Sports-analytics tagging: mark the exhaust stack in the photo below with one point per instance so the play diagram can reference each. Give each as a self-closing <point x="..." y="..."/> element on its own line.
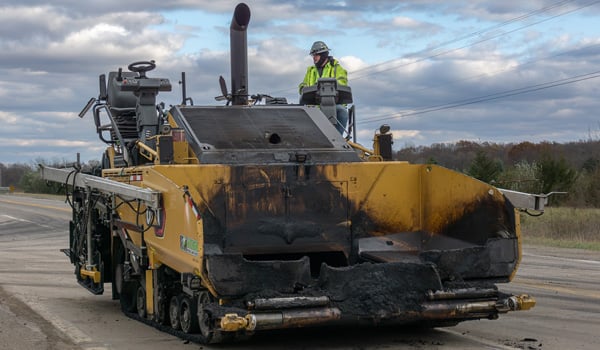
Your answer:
<point x="239" y="54"/>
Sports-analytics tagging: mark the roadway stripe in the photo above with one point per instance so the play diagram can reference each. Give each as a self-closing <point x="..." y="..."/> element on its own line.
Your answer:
<point x="16" y="219"/>
<point x="594" y="262"/>
<point x="488" y="343"/>
<point x="558" y="289"/>
<point x="76" y="335"/>
<point x="68" y="210"/>
<point x="23" y="220"/>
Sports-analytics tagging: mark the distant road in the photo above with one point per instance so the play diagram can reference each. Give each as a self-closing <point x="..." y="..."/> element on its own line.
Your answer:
<point x="42" y="306"/>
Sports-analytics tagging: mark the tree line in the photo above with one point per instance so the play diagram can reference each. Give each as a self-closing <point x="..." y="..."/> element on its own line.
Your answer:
<point x="527" y="167"/>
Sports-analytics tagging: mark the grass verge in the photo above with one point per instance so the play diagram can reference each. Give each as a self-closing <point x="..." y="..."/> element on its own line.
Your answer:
<point x="563" y="227"/>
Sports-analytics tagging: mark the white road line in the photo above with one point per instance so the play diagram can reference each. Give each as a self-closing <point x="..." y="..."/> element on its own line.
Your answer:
<point x="487" y="343"/>
<point x="23" y="220"/>
<point x="563" y="259"/>
<point x="76" y="335"/>
<point x="14" y="218"/>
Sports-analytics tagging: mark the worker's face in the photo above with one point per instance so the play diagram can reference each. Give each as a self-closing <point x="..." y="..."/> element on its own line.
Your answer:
<point x="316" y="58"/>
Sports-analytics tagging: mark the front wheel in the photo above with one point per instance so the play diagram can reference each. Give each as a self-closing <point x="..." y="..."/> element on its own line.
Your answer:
<point x="205" y="319"/>
<point x="140" y="301"/>
<point x="126" y="290"/>
<point x="174" y="313"/>
<point x="188" y="315"/>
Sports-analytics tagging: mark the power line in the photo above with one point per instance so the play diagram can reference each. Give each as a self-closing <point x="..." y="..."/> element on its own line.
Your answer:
<point x="486" y="98"/>
<point x="467" y="45"/>
<point x="464" y="37"/>
<point x="499" y="95"/>
<point x="476" y="33"/>
<point x="557" y="54"/>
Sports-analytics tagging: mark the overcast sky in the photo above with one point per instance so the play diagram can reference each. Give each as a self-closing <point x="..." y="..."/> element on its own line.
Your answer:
<point x="437" y="71"/>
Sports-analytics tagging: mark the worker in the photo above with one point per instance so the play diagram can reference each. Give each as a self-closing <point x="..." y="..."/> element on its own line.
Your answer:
<point x="326" y="66"/>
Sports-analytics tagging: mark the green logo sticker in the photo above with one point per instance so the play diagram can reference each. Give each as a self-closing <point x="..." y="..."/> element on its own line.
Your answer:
<point x="188" y="245"/>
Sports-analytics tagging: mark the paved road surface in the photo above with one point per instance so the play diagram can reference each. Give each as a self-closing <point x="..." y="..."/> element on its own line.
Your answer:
<point x="42" y="307"/>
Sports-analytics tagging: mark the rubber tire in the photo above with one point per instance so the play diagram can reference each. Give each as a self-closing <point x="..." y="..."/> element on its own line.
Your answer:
<point x="140" y="301"/>
<point x="205" y="322"/>
<point x="174" y="313"/>
<point x="188" y="315"/>
<point x="162" y="313"/>
<point x="125" y="290"/>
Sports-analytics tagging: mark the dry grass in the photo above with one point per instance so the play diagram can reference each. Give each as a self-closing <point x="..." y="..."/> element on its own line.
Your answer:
<point x="564" y="227"/>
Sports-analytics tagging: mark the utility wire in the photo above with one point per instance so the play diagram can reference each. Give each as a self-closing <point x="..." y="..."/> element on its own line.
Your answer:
<point x="468" y="45"/>
<point x="485" y="98"/>
<point x="476" y="33"/>
<point x="516" y="66"/>
<point x="467" y="36"/>
<point x="499" y="95"/>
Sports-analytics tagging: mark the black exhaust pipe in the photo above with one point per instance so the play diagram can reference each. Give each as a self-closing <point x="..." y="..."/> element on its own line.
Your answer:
<point x="239" y="54"/>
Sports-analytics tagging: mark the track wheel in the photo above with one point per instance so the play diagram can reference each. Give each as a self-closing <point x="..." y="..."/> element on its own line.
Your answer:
<point x="174" y="313"/>
<point x="126" y="290"/>
<point x="118" y="278"/>
<point x="188" y="315"/>
<point x="127" y="296"/>
<point x="162" y="313"/>
<point x="140" y="301"/>
<point x="205" y="319"/>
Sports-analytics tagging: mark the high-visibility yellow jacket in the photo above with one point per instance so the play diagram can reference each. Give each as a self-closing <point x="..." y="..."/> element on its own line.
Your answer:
<point x="332" y="69"/>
